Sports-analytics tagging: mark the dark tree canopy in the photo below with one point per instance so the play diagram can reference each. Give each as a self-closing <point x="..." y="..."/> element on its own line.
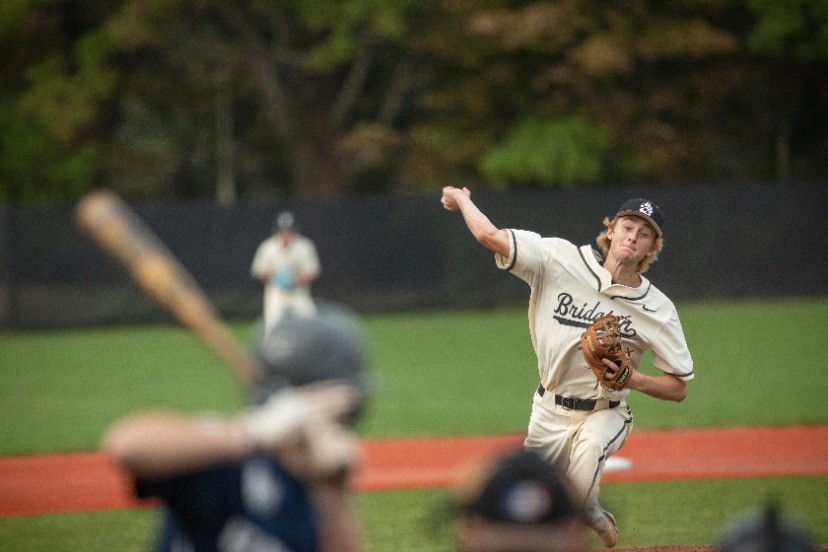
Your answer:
<point x="255" y="99"/>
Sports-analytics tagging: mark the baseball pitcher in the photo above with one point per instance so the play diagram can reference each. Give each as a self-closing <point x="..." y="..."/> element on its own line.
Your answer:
<point x="579" y="412"/>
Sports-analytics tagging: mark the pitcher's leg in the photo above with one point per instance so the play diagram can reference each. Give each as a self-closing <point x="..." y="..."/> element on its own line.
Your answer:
<point x="601" y="434"/>
<point x="274" y="306"/>
<point x="549" y="435"/>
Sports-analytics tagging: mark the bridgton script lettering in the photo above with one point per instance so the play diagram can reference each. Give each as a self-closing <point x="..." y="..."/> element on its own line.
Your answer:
<point x="569" y="313"/>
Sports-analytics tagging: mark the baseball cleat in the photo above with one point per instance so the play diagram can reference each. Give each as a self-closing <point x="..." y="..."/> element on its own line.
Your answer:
<point x="605" y="528"/>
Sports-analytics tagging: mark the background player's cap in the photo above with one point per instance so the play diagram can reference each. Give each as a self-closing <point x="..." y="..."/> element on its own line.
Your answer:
<point x="764" y="531"/>
<point x="644" y="208"/>
<point x="519" y="488"/>
<point x="285" y="221"/>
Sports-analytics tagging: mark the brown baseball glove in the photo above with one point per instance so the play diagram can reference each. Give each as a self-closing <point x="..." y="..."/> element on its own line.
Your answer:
<point x="601" y="340"/>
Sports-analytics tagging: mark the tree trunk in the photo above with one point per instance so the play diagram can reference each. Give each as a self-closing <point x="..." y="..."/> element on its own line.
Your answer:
<point x="225" y="170"/>
<point x="783" y="149"/>
<point x="317" y="169"/>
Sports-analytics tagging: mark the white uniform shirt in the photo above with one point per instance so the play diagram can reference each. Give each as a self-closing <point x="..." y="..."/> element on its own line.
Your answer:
<point x="569" y="290"/>
<point x="272" y="257"/>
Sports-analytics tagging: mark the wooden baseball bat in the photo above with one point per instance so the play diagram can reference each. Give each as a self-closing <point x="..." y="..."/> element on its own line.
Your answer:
<point x="124" y="236"/>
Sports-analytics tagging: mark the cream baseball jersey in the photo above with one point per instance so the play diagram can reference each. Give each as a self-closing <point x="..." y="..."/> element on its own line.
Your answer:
<point x="271" y="257"/>
<point x="569" y="290"/>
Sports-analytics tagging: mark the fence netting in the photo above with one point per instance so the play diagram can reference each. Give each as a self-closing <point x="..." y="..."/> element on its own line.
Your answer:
<point x="405" y="252"/>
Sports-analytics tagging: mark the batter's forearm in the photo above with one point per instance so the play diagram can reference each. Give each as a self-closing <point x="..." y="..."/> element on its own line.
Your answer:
<point x="339" y="528"/>
<point x="164" y="444"/>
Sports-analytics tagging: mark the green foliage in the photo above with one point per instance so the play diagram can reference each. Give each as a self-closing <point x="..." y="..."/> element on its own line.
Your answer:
<point x="52" y="98"/>
<point x="35" y="166"/>
<point x="791" y="28"/>
<point x="344" y="25"/>
<point x="565" y="152"/>
<point x="688" y="38"/>
<point x="316" y="98"/>
<point x="67" y="101"/>
<point x="23" y="145"/>
<point x="12" y="12"/>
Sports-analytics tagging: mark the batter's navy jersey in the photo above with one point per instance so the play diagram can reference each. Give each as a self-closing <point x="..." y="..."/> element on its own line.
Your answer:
<point x="256" y="505"/>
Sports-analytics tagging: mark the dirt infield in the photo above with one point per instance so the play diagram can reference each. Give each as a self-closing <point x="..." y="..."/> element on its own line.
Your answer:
<point x="32" y="485"/>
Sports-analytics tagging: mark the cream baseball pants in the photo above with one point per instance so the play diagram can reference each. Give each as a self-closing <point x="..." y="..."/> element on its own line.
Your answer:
<point x="578" y="443"/>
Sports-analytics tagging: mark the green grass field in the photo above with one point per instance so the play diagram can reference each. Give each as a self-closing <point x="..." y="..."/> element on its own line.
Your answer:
<point x="434" y="374"/>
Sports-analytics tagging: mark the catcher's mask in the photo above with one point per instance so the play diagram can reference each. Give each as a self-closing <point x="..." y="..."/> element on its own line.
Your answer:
<point x="302" y="350"/>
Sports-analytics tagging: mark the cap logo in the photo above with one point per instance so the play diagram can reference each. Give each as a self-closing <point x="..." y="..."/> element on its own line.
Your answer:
<point x="526" y="501"/>
<point x="646" y="208"/>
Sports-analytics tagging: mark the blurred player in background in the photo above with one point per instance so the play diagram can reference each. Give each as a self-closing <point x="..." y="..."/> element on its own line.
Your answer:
<point x="517" y="503"/>
<point x="766" y="530"/>
<point x="576" y="423"/>
<point x="286" y="263"/>
<point x="275" y="477"/>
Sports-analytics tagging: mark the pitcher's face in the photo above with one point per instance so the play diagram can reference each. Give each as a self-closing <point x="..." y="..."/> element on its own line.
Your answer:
<point x="632" y="240"/>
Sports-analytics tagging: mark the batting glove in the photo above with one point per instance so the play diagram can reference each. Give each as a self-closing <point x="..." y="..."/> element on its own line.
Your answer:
<point x="278" y="420"/>
<point x="296" y="413"/>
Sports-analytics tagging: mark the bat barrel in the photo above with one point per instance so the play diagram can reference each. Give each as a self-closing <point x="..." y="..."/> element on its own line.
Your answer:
<point x="127" y="239"/>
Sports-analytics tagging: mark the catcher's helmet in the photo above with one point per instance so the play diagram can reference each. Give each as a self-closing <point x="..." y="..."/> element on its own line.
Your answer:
<point x="302" y="350"/>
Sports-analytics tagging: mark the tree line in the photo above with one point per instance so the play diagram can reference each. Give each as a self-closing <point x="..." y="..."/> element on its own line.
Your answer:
<point x="234" y="100"/>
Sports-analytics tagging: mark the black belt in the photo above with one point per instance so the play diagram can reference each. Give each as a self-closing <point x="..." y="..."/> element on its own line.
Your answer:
<point x="575" y="404"/>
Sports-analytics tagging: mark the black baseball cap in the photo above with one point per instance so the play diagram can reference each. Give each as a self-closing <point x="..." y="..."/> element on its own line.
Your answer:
<point x="522" y="489"/>
<point x="643" y="208"/>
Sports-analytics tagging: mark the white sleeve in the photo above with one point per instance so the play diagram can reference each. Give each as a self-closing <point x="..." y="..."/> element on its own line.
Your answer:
<point x="526" y="255"/>
<point x="507" y="263"/>
<point x="258" y="266"/>
<point x="670" y="352"/>
<point x="310" y="259"/>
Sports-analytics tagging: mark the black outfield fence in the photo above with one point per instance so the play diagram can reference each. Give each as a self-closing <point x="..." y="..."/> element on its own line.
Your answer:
<point x="401" y="252"/>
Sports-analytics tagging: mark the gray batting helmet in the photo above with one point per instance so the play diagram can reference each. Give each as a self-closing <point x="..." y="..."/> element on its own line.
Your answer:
<point x="301" y="350"/>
